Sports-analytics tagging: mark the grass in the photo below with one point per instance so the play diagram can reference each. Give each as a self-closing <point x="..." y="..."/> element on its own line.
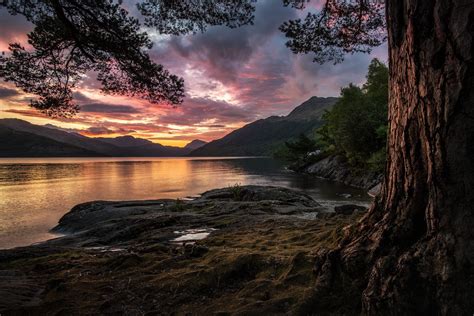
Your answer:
<point x="237" y="192"/>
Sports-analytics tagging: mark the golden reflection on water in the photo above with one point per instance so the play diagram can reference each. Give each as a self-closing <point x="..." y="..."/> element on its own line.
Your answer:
<point x="35" y="193"/>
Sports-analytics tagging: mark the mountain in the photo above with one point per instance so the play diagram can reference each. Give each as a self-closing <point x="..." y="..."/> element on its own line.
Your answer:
<point x="22" y="144"/>
<point x="67" y="138"/>
<point x="23" y="139"/>
<point x="195" y="144"/>
<point x="312" y="109"/>
<point x="264" y="136"/>
<point x="125" y="141"/>
<point x="138" y="147"/>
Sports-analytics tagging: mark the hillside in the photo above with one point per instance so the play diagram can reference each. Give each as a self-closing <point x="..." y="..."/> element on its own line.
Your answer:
<point x="138" y="147"/>
<point x="259" y="138"/>
<point x="195" y="144"/>
<point x="67" y="138"/>
<point x="23" y="139"/>
<point x="262" y="137"/>
<point x="23" y="144"/>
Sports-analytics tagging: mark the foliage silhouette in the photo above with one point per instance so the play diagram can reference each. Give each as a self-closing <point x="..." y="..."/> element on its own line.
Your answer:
<point x="73" y="40"/>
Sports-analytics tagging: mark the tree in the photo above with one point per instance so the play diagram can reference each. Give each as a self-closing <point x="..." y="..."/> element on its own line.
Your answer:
<point x="356" y="126"/>
<point x="75" y="38"/>
<point x="413" y="253"/>
<point x="414" y="250"/>
<point x="297" y="152"/>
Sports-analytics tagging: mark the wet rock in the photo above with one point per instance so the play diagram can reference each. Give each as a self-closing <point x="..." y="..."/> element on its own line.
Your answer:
<point x="87" y="215"/>
<point x="349" y="209"/>
<point x="337" y="169"/>
<point x="253" y="193"/>
<point x="375" y="190"/>
<point x="144" y="224"/>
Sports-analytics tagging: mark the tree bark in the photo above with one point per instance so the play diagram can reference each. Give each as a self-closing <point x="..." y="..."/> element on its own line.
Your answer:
<point x="413" y="253"/>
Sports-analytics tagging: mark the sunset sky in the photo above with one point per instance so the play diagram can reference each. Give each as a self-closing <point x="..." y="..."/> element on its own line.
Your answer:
<point x="232" y="77"/>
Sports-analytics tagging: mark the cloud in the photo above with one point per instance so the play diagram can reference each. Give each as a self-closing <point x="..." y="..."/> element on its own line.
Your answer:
<point x="99" y="130"/>
<point x="6" y="93"/>
<point x="14" y="29"/>
<point x="232" y="77"/>
<point x="81" y="97"/>
<point x="69" y="130"/>
<point x="26" y="112"/>
<point x="195" y="111"/>
<point x="223" y="52"/>
<point x="108" y="108"/>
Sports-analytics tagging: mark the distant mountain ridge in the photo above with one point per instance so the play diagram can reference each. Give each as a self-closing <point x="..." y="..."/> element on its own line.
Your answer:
<point x="14" y="143"/>
<point x="125" y="141"/>
<point x="19" y="138"/>
<point x="312" y="109"/>
<point x="195" y="144"/>
<point x="264" y="136"/>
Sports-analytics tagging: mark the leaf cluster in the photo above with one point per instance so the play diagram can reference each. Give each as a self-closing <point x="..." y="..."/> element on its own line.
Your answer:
<point x="74" y="40"/>
<point x="340" y="27"/>
<point x="356" y="127"/>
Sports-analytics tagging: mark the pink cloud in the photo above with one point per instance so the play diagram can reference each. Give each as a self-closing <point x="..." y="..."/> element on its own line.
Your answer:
<point x="232" y="77"/>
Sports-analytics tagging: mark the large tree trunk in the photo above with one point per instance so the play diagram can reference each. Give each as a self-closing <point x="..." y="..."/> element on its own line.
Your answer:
<point x="414" y="251"/>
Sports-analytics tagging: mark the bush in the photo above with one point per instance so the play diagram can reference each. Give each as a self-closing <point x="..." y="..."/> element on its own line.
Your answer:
<point x="237" y="192"/>
<point x="357" y="125"/>
<point x="300" y="152"/>
<point x="377" y="161"/>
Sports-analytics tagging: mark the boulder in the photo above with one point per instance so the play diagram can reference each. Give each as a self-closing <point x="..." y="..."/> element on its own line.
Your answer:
<point x="336" y="168"/>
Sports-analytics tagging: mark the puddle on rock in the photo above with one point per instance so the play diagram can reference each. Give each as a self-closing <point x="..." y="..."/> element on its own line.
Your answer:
<point x="192" y="234"/>
<point x="190" y="197"/>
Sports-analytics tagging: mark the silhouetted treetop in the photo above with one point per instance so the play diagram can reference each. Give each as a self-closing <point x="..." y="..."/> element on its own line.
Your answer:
<point x="72" y="39"/>
<point x="339" y="28"/>
<point x="193" y="16"/>
<point x="75" y="39"/>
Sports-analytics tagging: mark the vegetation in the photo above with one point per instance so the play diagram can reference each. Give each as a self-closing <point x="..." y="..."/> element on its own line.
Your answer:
<point x="258" y="254"/>
<point x="356" y="127"/>
<point x="74" y="38"/>
<point x="299" y="152"/>
<point x="178" y="206"/>
<point x="413" y="252"/>
<point x="236" y="191"/>
<point x="263" y="137"/>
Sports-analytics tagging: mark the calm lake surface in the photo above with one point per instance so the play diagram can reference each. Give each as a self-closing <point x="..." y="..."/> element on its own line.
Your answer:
<point x="36" y="192"/>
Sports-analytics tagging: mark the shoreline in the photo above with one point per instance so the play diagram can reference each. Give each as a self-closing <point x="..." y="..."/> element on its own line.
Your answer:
<point x="257" y="248"/>
<point x="336" y="169"/>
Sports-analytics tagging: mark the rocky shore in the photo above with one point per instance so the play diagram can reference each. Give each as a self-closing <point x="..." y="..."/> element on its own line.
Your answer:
<point x="240" y="250"/>
<point x="336" y="168"/>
